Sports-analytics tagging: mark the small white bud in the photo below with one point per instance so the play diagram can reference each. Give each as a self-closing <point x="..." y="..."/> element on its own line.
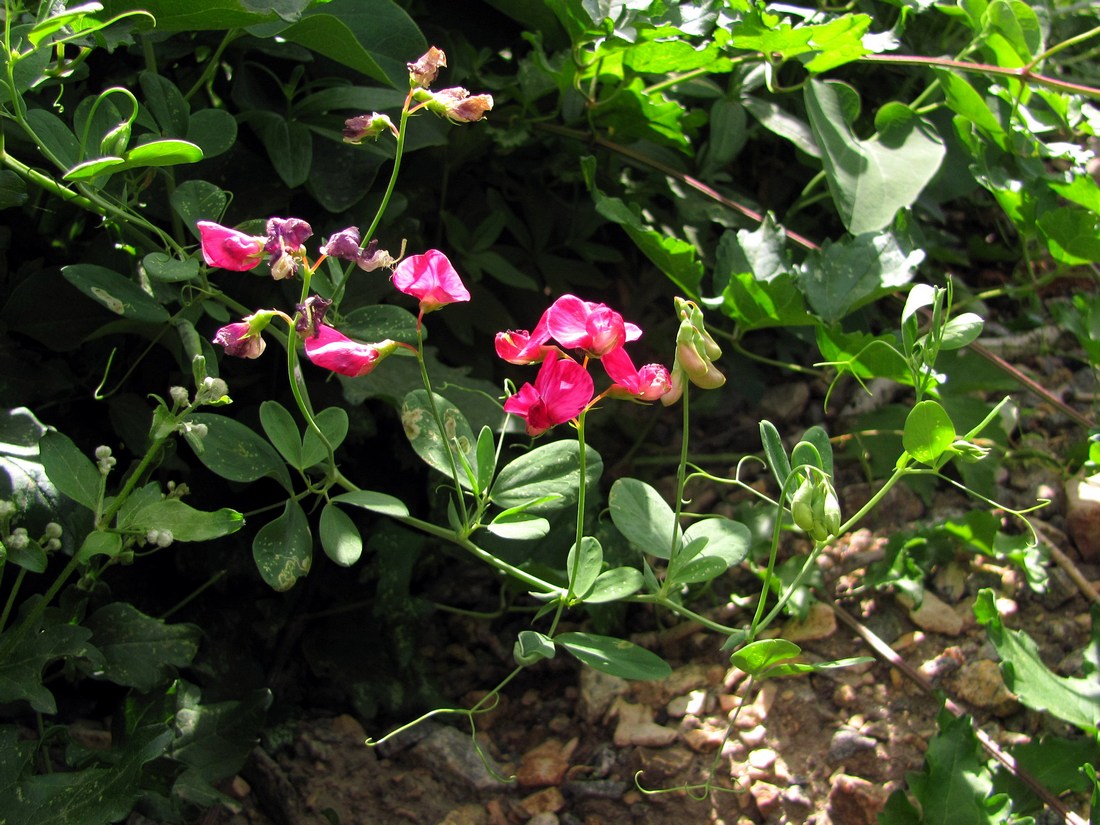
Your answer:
<point x="180" y="396"/>
<point x="52" y="530"/>
<point x="164" y="538"/>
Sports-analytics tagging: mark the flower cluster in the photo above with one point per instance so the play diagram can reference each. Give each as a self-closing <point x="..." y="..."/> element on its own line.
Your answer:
<point x="238" y="251"/>
<point x="429" y="278"/>
<point x="456" y="104"/>
<point x="563" y="388"/>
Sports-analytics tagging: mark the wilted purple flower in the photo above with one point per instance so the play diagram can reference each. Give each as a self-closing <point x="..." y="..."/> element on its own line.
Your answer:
<point x="459" y="106"/>
<point x="240" y="340"/>
<point x="310" y="315"/>
<point x="359" y="128"/>
<point x="345" y="246"/>
<point x="422" y="73"/>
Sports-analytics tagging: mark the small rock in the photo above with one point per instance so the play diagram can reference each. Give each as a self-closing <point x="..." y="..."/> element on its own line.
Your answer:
<point x="820" y="623"/>
<point x="705" y="738"/>
<point x="548" y="800"/>
<point x="545" y="818"/>
<point x="754" y="736"/>
<point x="1060" y="589"/>
<point x="595" y="788"/>
<point x="636" y="727"/>
<point x="767" y="797"/>
<point x="658" y="765"/>
<point x="855" y="801"/>
<point x="349" y="729"/>
<point x="846" y="743"/>
<point x="935" y="616"/>
<point x="466" y="815"/>
<point x="545" y="764"/>
<point x="446" y="751"/>
<point x="784" y="402"/>
<point x="950" y="581"/>
<point x="948" y="661"/>
<point x="597" y="693"/>
<point x="1083" y="514"/>
<point x="980" y="684"/>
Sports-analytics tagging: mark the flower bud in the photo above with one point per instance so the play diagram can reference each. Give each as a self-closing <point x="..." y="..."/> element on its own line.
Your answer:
<point x="52" y="530"/>
<point x="114" y="143"/>
<point x="458" y="105"/>
<point x="802" y="506"/>
<point x="179" y="395"/>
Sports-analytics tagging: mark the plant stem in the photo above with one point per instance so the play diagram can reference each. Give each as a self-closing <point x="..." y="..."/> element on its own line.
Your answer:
<point x="1023" y="74"/>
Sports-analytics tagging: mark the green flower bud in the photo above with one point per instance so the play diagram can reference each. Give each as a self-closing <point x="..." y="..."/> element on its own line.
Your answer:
<point x="802" y="506"/>
<point x="114" y="143"/>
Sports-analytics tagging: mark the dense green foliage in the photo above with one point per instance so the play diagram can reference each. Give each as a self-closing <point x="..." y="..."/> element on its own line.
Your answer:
<point x="831" y="187"/>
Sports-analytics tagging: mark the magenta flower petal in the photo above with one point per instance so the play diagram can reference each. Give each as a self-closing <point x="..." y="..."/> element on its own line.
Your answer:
<point x="229" y="248"/>
<point x="431" y="279"/>
<point x="334" y="351"/>
<point x="596" y="329"/>
<point x="562" y="389"/>
<point x="649" y="383"/>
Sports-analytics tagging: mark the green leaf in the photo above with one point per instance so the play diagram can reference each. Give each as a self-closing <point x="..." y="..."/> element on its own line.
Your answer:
<point x="518" y="526"/>
<point x="236" y="452"/>
<point x="207" y="15"/>
<point x="486" y="458"/>
<point x="615" y="656"/>
<point x="161" y="153"/>
<point x="379" y="322"/>
<point x="1011" y="33"/>
<point x="282" y="431"/>
<point x="584" y="567"/>
<point x="550" y="470"/>
<point x="1074" y="700"/>
<point x="283" y="548"/>
<point x="333" y="422"/>
<point x="870" y="180"/>
<point x="215" y="739"/>
<point x="928" y="432"/>
<point x="340" y="537"/>
<point x="775" y="454"/>
<point x="163" y="267"/>
<point x="13" y="189"/>
<point x="756" y="658"/>
<point x="1072" y="235"/>
<point x="954" y="786"/>
<point x="426" y="439"/>
<point x="214" y="131"/>
<point x="678" y="259"/>
<point x="197" y="200"/>
<point x="140" y="651"/>
<point x="49" y="638"/>
<point x="116" y="292"/>
<point x="961" y="331"/>
<point x="381" y="503"/>
<point x="725" y="540"/>
<point x="845" y="275"/>
<point x="58" y="20"/>
<point x="643" y="517"/>
<point x="615" y="584"/>
<point x="70" y="471"/>
<point x="183" y="521"/>
<point x="55" y="137"/>
<point x="95" y="795"/>
<point x="99" y="543"/>
<point x="289" y="145"/>
<point x="374" y="37"/>
<point x="532" y="646"/>
<point x="166" y="103"/>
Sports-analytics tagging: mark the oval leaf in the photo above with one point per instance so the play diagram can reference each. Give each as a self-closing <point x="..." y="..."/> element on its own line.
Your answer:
<point x="339" y="536"/>
<point x="426" y="440"/>
<point x="234" y="451"/>
<point x="928" y="432"/>
<point x="643" y="517"/>
<point x="375" y="502"/>
<point x="550" y="470"/>
<point x="283" y="548"/>
<point x="615" y="584"/>
<point x="116" y="292"/>
<point x="615" y="656"/>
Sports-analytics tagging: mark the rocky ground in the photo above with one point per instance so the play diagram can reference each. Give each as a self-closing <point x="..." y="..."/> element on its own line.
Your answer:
<point x="571" y="746"/>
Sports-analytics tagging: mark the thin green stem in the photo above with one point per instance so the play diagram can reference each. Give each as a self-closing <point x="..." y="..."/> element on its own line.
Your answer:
<point x="1065" y="44"/>
<point x="1023" y="73"/>
<point x="11" y="598"/>
<point x="212" y="64"/>
<point x="679" y="609"/>
<point x="446" y="440"/>
<point x="12" y="640"/>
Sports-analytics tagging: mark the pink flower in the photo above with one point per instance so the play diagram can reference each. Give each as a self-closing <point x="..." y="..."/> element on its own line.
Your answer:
<point x="561" y="391"/>
<point x="240" y="340"/>
<point x="228" y="248"/>
<point x="459" y="106"/>
<point x="431" y="278"/>
<point x="334" y="351"/>
<point x="594" y="328"/>
<point x="649" y="383"/>
<point x="523" y="347"/>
